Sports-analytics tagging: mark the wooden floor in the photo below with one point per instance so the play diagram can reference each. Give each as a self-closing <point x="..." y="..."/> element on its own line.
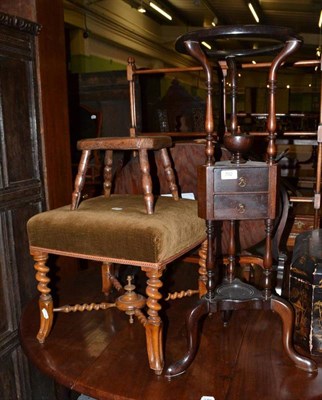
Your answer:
<point x="101" y="355"/>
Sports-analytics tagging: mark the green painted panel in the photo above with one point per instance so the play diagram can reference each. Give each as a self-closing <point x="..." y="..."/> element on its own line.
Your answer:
<point x="81" y="63"/>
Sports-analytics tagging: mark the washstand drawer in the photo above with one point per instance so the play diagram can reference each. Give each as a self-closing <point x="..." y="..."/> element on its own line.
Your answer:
<point x="243" y="206"/>
<point x="240" y="180"/>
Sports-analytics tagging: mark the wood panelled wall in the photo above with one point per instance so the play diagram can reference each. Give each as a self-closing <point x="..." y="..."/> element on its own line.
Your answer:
<point x="35" y="167"/>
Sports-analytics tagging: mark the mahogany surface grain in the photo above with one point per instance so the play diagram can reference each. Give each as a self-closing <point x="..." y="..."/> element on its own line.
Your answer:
<point x="100" y="354"/>
<point x="128" y="143"/>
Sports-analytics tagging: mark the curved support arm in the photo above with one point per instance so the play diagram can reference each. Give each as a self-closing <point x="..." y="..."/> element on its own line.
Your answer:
<point x="288" y="49"/>
<point x="194" y="49"/>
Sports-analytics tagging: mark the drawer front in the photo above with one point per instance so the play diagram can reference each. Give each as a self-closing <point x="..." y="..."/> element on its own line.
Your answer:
<point x="243" y="206"/>
<point x="240" y="180"/>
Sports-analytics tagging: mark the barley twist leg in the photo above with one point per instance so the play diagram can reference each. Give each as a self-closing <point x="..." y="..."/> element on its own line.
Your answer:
<point x="109" y="280"/>
<point x="45" y="299"/>
<point x="202" y="270"/>
<point x="153" y="327"/>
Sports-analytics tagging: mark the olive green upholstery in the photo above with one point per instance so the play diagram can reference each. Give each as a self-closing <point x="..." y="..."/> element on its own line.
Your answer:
<point x="118" y="228"/>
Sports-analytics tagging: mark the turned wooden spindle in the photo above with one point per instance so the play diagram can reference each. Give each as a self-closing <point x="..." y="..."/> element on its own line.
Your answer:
<point x="194" y="49"/>
<point x="131" y="68"/>
<point x="80" y="178"/>
<point x="108" y="163"/>
<point x="210" y="262"/>
<point x="166" y="163"/>
<point x="231" y="253"/>
<point x="109" y="280"/>
<point x="233" y="93"/>
<point x="130" y="301"/>
<point x="146" y="180"/>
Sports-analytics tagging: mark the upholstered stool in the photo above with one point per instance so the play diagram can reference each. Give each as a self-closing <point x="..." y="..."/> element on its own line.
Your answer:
<point x="117" y="230"/>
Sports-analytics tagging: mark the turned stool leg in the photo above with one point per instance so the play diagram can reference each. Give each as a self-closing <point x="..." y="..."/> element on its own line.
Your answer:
<point x="45" y="299"/>
<point x="146" y="180"/>
<point x="169" y="173"/>
<point x="109" y="281"/>
<point x="153" y="326"/>
<point x="108" y="164"/>
<point x="80" y="178"/>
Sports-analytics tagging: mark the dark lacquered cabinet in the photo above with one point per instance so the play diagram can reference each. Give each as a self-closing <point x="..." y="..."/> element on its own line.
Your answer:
<point x="21" y="196"/>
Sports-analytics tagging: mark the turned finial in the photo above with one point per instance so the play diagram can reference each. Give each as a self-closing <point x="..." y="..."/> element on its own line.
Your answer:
<point x="130" y="300"/>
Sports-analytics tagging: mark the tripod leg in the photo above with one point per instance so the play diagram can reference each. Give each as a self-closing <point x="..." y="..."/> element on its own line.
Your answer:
<point x="192" y="324"/>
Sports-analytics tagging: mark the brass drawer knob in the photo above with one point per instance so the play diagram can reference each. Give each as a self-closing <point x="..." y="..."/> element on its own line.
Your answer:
<point x="242" y="182"/>
<point x="241" y="208"/>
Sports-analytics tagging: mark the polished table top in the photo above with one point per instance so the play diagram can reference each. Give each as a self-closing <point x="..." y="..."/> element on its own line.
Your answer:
<point x="100" y="354"/>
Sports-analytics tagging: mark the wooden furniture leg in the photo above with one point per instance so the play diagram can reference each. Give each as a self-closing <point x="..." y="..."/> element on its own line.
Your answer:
<point x="233" y="294"/>
<point x="45" y="299"/>
<point x="146" y="180"/>
<point x="109" y="281"/>
<point x="108" y="164"/>
<point x="169" y="173"/>
<point x="202" y="281"/>
<point x="153" y="325"/>
<point x="201" y="309"/>
<point x="192" y="324"/>
<point x="80" y="178"/>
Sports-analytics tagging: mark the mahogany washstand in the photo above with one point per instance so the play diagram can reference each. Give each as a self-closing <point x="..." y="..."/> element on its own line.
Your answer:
<point x="238" y="190"/>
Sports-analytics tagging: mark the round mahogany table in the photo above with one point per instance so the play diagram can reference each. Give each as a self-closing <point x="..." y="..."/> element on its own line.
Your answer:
<point x="101" y="355"/>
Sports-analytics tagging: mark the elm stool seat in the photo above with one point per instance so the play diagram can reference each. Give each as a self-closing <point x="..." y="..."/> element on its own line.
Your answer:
<point x="118" y="230"/>
<point x="139" y="144"/>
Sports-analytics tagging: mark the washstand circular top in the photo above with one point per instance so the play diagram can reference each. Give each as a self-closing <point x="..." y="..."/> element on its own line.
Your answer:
<point x="270" y="39"/>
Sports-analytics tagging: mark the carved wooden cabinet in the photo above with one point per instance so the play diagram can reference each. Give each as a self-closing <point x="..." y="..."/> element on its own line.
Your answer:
<point x="21" y="196"/>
